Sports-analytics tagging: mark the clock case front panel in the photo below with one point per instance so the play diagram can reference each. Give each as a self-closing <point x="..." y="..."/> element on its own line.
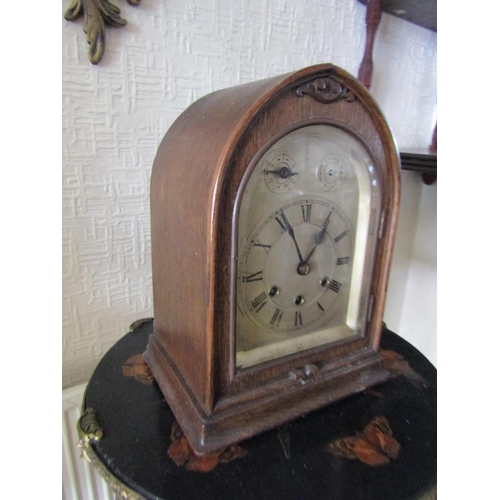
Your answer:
<point x="198" y="171"/>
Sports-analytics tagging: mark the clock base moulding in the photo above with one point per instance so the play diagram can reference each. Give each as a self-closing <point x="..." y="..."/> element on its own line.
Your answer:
<point x="297" y="393"/>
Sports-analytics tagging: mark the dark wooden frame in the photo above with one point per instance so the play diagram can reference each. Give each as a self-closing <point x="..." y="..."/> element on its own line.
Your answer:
<point x="196" y="176"/>
<point x="422" y="14"/>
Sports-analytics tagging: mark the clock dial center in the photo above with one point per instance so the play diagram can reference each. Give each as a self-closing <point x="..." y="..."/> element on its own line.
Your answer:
<point x="292" y="283"/>
<point x="304" y="269"/>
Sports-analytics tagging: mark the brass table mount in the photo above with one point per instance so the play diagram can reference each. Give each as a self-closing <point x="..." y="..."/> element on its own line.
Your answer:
<point x="90" y="432"/>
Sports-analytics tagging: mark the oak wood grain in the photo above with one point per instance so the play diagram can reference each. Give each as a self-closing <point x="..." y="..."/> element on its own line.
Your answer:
<point x="198" y="176"/>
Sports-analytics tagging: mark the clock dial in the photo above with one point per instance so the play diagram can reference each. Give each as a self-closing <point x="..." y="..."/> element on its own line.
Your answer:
<point x="280" y="172"/>
<point x="304" y="244"/>
<point x="294" y="278"/>
<point x="330" y="173"/>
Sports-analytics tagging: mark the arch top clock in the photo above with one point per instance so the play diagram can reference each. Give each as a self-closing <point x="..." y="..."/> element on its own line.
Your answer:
<point x="273" y="214"/>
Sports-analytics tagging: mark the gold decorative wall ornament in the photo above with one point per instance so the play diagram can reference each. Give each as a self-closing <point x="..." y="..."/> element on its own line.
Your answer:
<point x="96" y="15"/>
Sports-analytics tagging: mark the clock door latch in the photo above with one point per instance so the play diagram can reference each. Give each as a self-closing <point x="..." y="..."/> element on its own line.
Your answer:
<point x="371" y="303"/>
<point x="302" y="374"/>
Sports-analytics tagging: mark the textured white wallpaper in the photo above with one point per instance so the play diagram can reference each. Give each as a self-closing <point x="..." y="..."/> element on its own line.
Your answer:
<point x="168" y="55"/>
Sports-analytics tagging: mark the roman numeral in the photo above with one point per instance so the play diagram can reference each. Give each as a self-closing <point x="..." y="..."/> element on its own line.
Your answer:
<point x="340" y="236"/>
<point x="306" y="212"/>
<point x="253" y="277"/>
<point x="320" y="307"/>
<point x="261" y="245"/>
<point x="335" y="286"/>
<point x="275" y="320"/>
<point x="259" y="302"/>
<point x="282" y="221"/>
<point x="298" y="318"/>
<point x="342" y="260"/>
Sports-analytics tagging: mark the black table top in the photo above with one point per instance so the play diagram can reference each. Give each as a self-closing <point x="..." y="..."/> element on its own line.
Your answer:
<point x="327" y="454"/>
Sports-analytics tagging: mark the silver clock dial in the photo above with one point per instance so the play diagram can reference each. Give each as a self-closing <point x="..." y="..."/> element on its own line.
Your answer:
<point x="304" y="230"/>
<point x="295" y="265"/>
<point x="330" y="172"/>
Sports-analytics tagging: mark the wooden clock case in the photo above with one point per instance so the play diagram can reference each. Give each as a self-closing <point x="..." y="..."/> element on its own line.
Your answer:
<point x="198" y="170"/>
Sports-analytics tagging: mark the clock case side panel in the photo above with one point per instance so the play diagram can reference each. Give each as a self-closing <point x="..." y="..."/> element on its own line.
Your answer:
<point x="389" y="169"/>
<point x="186" y="225"/>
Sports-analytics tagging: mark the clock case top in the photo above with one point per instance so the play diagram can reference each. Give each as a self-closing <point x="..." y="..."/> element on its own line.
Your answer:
<point x="196" y="175"/>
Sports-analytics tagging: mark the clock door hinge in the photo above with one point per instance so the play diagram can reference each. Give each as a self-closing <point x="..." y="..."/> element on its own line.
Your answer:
<point x="371" y="303"/>
<point x="382" y="223"/>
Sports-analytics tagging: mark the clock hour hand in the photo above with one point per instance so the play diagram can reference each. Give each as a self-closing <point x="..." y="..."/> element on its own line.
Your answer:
<point x="310" y="253"/>
<point x="318" y="237"/>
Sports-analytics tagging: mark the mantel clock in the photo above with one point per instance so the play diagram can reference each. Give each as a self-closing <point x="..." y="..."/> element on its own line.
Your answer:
<point x="273" y="212"/>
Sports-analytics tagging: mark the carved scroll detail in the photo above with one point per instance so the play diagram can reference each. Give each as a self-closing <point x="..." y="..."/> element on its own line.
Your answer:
<point x="326" y="90"/>
<point x="96" y="15"/>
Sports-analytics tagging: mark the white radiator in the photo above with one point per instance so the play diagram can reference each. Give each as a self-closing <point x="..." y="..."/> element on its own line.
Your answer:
<point x="79" y="480"/>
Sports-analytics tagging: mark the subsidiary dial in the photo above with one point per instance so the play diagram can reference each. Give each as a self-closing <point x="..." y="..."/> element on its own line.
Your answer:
<point x="331" y="172"/>
<point x="280" y="172"/>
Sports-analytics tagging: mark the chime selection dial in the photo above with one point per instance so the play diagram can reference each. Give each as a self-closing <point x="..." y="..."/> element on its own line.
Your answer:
<point x="280" y="172"/>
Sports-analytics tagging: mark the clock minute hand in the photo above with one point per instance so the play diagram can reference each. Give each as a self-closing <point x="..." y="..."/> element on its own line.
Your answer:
<point x="291" y="232"/>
